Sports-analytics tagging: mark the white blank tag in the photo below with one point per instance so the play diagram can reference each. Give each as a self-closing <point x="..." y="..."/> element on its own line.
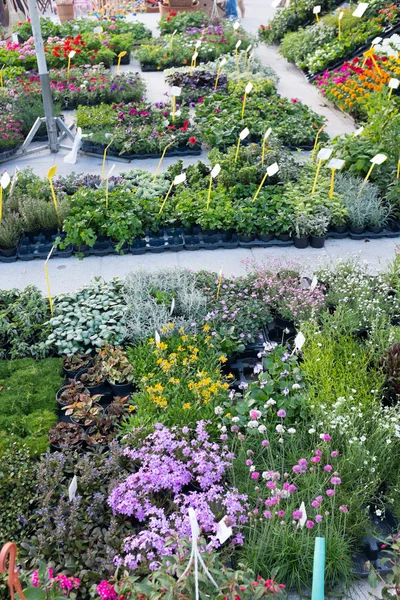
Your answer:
<point x="267" y="133"/>
<point x="314" y="284"/>
<point x="236" y="25"/>
<point x="71" y="54"/>
<point x="194" y="524"/>
<point x="110" y="172"/>
<point x="73" y="488"/>
<point x="172" y="306"/>
<point x="244" y="133"/>
<point x="248" y="88"/>
<point x="359" y="131"/>
<point x="176" y="91"/>
<point x="360" y="10"/>
<point x="180" y="179"/>
<point x="238" y="43"/>
<point x="216" y="171"/>
<point x="157" y="338"/>
<point x="340" y="17"/>
<point x="316" y="10"/>
<point x="299" y="341"/>
<point x="375" y="41"/>
<point x="223" y="532"/>
<point x="378" y="159"/>
<point x="272" y="169"/>
<point x="223" y="62"/>
<point x="324" y="154"/>
<point x="303" y="519"/>
<point x="336" y="163"/>
<point x="195" y="55"/>
<point x="5" y="180"/>
<point x="394" y="83"/>
<point x="197" y="44"/>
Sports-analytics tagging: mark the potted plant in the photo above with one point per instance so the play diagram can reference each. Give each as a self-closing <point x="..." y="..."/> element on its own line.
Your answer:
<point x="117" y="369"/>
<point x="10" y="230"/>
<point x="75" y="363"/>
<point x="301" y="230"/>
<point x="339" y="218"/>
<point x="319" y="224"/>
<point x="93" y="378"/>
<point x="84" y="413"/>
<point x="75" y="391"/>
<point x="66" y="434"/>
<point x="65" y="9"/>
<point x="378" y="217"/>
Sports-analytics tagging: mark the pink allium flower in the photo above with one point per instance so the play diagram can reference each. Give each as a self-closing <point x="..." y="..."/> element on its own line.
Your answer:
<point x="316" y="459"/>
<point x="330" y="492"/>
<point x="318" y="518"/>
<point x="281" y="413"/>
<point x="297" y="514"/>
<point x="249" y="462"/>
<point x="334" y="454"/>
<point x="255" y="475"/>
<point x="267" y="514"/>
<point x="310" y="524"/>
<point x="336" y="481"/>
<point x="315" y="504"/>
<point x="265" y="443"/>
<point x="328" y="468"/>
<point x="344" y="509"/>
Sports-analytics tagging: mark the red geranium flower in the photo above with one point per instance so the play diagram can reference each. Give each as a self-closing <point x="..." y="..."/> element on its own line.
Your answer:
<point x="192" y="141"/>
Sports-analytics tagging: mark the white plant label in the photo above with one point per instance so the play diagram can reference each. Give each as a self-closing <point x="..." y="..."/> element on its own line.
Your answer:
<point x="238" y="44"/>
<point x="110" y="172"/>
<point x="178" y="113"/>
<point x="324" y="153"/>
<point x="195" y="55"/>
<point x="317" y="10"/>
<point x="98" y="30"/>
<point x="248" y="88"/>
<point x="175" y="32"/>
<point x="157" y="338"/>
<point x="244" y="133"/>
<point x="71" y="54"/>
<point x="172" y="307"/>
<point x="340" y="17"/>
<point x="314" y="283"/>
<point x="358" y="131"/>
<point x="180" y="179"/>
<point x="223" y="62"/>
<point x="248" y="48"/>
<point x="394" y="83"/>
<point x="360" y="10"/>
<point x="14" y="180"/>
<point x="194" y="525"/>
<point x="216" y="171"/>
<point x="303" y="519"/>
<point x="223" y="531"/>
<point x="299" y="341"/>
<point x="272" y="169"/>
<point x="267" y="133"/>
<point x="336" y="163"/>
<point x="73" y="486"/>
<point x="197" y="44"/>
<point x="376" y="41"/>
<point x="236" y="25"/>
<point x="108" y="135"/>
<point x="378" y="159"/>
<point x="276" y="3"/>
<point x="176" y="91"/>
<point x="5" y="180"/>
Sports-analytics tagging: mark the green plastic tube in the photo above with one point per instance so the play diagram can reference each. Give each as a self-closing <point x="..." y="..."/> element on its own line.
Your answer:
<point x="318" y="581"/>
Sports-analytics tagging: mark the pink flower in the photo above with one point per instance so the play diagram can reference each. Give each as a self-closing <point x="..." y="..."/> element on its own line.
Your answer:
<point x="318" y="518"/>
<point x="249" y="462"/>
<point x="254" y="415"/>
<point x="318" y="452"/>
<point x="315" y="504"/>
<point x="292" y="488"/>
<point x="310" y="524"/>
<point x="334" y="454"/>
<point x="344" y="509"/>
<point x="271" y="485"/>
<point x="267" y="514"/>
<point x="265" y="443"/>
<point x="336" y="481"/>
<point x="297" y="514"/>
<point x="281" y="513"/>
<point x="255" y="475"/>
<point x="326" y="437"/>
<point x="319" y="498"/>
<point x="315" y="459"/>
<point x="106" y="591"/>
<point x="281" y="413"/>
<point x="328" y="468"/>
<point x="330" y="492"/>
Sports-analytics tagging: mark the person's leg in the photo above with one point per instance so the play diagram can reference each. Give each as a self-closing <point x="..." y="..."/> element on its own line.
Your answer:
<point x="240" y="3"/>
<point x="231" y="10"/>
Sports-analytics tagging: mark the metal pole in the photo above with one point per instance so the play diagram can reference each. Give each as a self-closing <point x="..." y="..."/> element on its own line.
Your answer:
<point x="44" y="77"/>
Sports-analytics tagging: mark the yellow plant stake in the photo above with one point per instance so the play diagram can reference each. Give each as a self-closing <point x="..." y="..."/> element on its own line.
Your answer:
<point x="50" y="174"/>
<point x="398" y="169"/>
<point x="271" y="170"/>
<point x="162" y="158"/>
<point x="103" y="166"/>
<point x="393" y="85"/>
<point x="334" y="164"/>
<point x="340" y="17"/>
<point x="322" y="155"/>
<point x="221" y="64"/>
<point x="266" y="136"/>
<point x="1" y="78"/>
<point x="46" y="273"/>
<point x="178" y="179"/>
<point x="370" y="54"/>
<point x="214" y="173"/>
<point x="70" y="55"/>
<point x="4" y="183"/>
<point x="172" y="39"/>
<point x="247" y="90"/>
<point x="243" y="135"/>
<point x="120" y="55"/>
<point x="316" y="11"/>
<point x="316" y="140"/>
<point x="219" y="282"/>
<point x="108" y="177"/>
<point x="193" y="64"/>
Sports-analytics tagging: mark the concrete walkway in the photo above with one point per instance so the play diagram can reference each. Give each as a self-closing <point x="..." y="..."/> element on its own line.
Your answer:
<point x="70" y="274"/>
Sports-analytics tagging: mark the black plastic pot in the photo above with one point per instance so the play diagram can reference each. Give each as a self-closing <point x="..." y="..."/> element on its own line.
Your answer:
<point x="317" y="241"/>
<point x="339" y="229"/>
<point x="72" y="374"/>
<point x="138" y="246"/>
<point x="8" y="252"/>
<point x="357" y="230"/>
<point x="100" y="388"/>
<point x="301" y="242"/>
<point x="246" y="239"/>
<point x="121" y="389"/>
<point x="85" y="427"/>
<point x="283" y="237"/>
<point x="375" y="229"/>
<point x="265" y="237"/>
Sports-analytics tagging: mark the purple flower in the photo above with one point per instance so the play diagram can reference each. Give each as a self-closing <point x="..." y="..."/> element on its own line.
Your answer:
<point x="336" y="481"/>
<point x="297" y="514"/>
<point x="330" y="492"/>
<point x="328" y="468"/>
<point x="255" y="475"/>
<point x="281" y="413"/>
<point x="318" y="518"/>
<point x="309" y="524"/>
<point x="265" y="443"/>
<point x="267" y="514"/>
<point x="344" y="509"/>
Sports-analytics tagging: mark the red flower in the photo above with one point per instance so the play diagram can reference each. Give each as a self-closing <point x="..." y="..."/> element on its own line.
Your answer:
<point x="185" y="126"/>
<point x="171" y="127"/>
<point x="262" y="27"/>
<point x="273" y="587"/>
<point x="192" y="141"/>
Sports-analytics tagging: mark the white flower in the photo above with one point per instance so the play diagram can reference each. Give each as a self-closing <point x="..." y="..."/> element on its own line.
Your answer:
<point x="362" y="438"/>
<point x="280" y="429"/>
<point x="252" y="469"/>
<point x="311" y="430"/>
<point x="218" y="410"/>
<point x="280" y="440"/>
<point x="223" y="429"/>
<point x="269" y="402"/>
<point x="262" y="428"/>
<point x="252" y="424"/>
<point x="296" y="386"/>
<point x="235" y="419"/>
<point x="291" y="430"/>
<point x="378" y="512"/>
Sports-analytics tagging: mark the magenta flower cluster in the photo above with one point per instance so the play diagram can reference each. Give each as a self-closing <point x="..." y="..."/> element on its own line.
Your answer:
<point x="175" y="469"/>
<point x="66" y="584"/>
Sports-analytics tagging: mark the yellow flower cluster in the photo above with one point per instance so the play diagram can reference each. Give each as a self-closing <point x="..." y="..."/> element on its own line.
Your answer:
<point x="156" y="395"/>
<point x="167" y="328"/>
<point x="205" y="389"/>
